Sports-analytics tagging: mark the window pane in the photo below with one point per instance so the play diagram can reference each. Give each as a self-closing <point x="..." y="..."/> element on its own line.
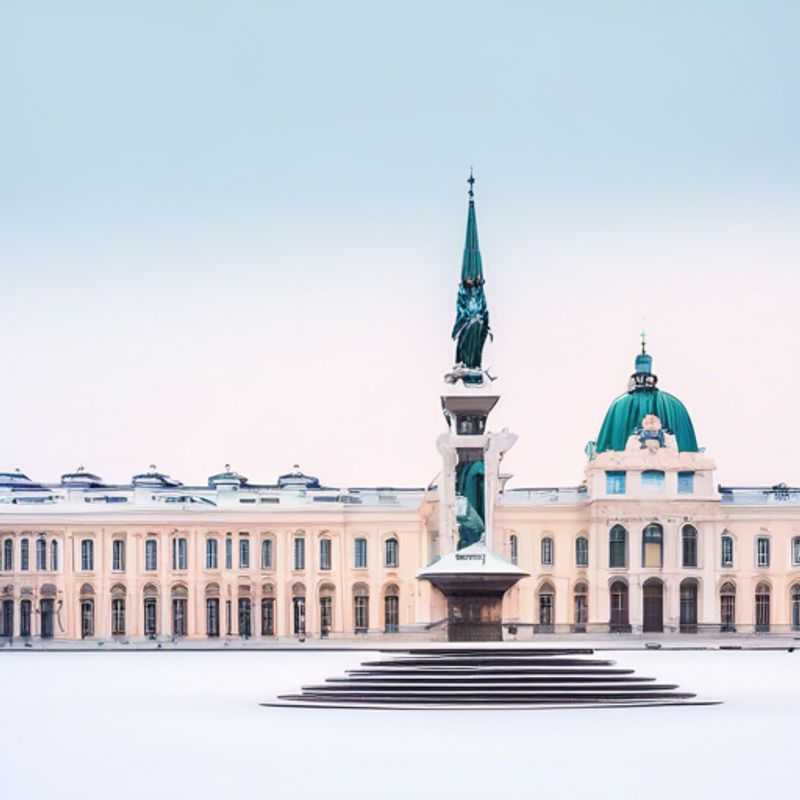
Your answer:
<point x="325" y="554"/>
<point x="300" y="555"/>
<point x="361" y="554"/>
<point x="652" y="480"/>
<point x="686" y="483"/>
<point x="615" y="483"/>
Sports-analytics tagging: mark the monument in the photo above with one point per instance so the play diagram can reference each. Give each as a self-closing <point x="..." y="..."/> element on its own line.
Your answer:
<point x="471" y="575"/>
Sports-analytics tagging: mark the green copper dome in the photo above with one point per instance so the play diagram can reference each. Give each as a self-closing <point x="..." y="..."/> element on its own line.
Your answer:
<point x="626" y="413"/>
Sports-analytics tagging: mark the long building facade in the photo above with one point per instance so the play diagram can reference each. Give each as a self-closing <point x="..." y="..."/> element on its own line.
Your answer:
<point x="647" y="542"/>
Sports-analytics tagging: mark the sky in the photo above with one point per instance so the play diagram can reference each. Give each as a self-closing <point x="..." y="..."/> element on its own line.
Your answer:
<point x="232" y="233"/>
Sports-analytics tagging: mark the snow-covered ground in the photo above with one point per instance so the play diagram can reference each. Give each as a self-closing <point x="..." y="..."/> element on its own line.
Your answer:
<point x="182" y="724"/>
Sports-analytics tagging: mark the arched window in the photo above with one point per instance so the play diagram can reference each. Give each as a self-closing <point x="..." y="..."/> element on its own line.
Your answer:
<point x="619" y="620"/>
<point x="151" y="555"/>
<point x="54" y="556"/>
<point x="360" y="553"/>
<point x="581" y="552"/>
<point x="762" y="607"/>
<point x="391" y="609"/>
<point x="212" y="554"/>
<point x="653" y="546"/>
<point x="150" y="610"/>
<point x="118" y="555"/>
<point x="727" y="607"/>
<point x="180" y="556"/>
<point x="689" y="545"/>
<point x="547" y="552"/>
<point x="688" y="607"/>
<point x="326" y="594"/>
<point x="24" y="555"/>
<point x="795" y="595"/>
<point x="581" y="595"/>
<point x="8" y="555"/>
<point x="299" y="556"/>
<point x="325" y="553"/>
<point x="727" y="550"/>
<point x="25" y="609"/>
<point x="266" y="554"/>
<point x="361" y="608"/>
<point x="796" y="551"/>
<point x="513" y="544"/>
<point x="87" y="555"/>
<point x="391" y="553"/>
<point x="546" y="608"/>
<point x="617" y="547"/>
<point x="41" y="554"/>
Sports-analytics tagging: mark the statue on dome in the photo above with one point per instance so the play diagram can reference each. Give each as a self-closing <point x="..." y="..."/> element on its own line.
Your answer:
<point x="650" y="433"/>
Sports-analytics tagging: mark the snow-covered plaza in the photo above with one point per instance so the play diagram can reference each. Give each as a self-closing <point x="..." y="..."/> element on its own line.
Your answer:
<point x="189" y="724"/>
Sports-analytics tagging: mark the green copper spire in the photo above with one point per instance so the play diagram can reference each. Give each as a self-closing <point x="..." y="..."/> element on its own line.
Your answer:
<point x="472" y="266"/>
<point x="472" y="314"/>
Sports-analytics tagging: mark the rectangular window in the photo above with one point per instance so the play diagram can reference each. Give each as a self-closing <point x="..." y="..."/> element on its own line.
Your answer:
<point x="796" y="551"/>
<point x="652" y="480"/>
<point x="266" y="554"/>
<point x="118" y="555"/>
<point x="180" y="554"/>
<point x="361" y="614"/>
<point x="547" y="552"/>
<point x="87" y="555"/>
<point x="24" y="555"/>
<point x="762" y="551"/>
<point x="54" y="556"/>
<point x="299" y="553"/>
<point x="361" y="554"/>
<point x="228" y="552"/>
<point x="581" y="552"/>
<point x="41" y="555"/>
<point x="686" y="483"/>
<point x="615" y="482"/>
<point x="211" y="553"/>
<point x="244" y="553"/>
<point x="325" y="554"/>
<point x="151" y="555"/>
<point x="8" y="555"/>
<point x="727" y="551"/>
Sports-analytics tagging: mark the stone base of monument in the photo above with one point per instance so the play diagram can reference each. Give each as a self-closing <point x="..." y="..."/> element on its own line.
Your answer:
<point x="508" y="678"/>
<point x="474" y="581"/>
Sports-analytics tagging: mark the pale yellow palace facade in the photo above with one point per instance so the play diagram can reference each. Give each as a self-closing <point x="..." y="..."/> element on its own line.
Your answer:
<point x="647" y="542"/>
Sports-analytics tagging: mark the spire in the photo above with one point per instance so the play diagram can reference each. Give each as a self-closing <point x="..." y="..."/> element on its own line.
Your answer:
<point x="643" y="377"/>
<point x="471" y="266"/>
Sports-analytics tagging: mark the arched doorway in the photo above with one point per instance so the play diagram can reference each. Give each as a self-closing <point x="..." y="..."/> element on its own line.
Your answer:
<point x="581" y="616"/>
<point x="326" y="593"/>
<point x="727" y="607"/>
<point x="87" y="611"/>
<point x="299" y="610"/>
<point x="619" y="621"/>
<point x="762" y="607"/>
<point x="546" y="609"/>
<point x="688" y="618"/>
<point x="361" y="608"/>
<point x="796" y="606"/>
<point x="653" y="606"/>
<point x="47" y="610"/>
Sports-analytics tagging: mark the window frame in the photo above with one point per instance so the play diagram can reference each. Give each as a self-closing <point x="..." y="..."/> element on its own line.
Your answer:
<point x="212" y="555"/>
<point x="685" y="540"/>
<point x="118" y="555"/>
<point x="325" y="554"/>
<point x="727" y="540"/>
<point x="360" y="553"/>
<point x="685" y="477"/>
<point x="87" y="555"/>
<point x="298" y="553"/>
<point x="616" y="545"/>
<point x="763" y="555"/>
<point x="151" y="554"/>
<point x="547" y="551"/>
<point x="391" y="553"/>
<point x="616" y="482"/>
<point x="582" y="546"/>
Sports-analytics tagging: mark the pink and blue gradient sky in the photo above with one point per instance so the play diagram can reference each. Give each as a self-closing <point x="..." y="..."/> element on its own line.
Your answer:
<point x="232" y="232"/>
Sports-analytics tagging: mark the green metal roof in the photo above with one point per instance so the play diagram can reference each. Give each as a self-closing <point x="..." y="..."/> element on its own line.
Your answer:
<point x="627" y="412"/>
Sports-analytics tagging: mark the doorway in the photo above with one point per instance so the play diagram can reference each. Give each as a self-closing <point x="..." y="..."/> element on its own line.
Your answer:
<point x="653" y="606"/>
